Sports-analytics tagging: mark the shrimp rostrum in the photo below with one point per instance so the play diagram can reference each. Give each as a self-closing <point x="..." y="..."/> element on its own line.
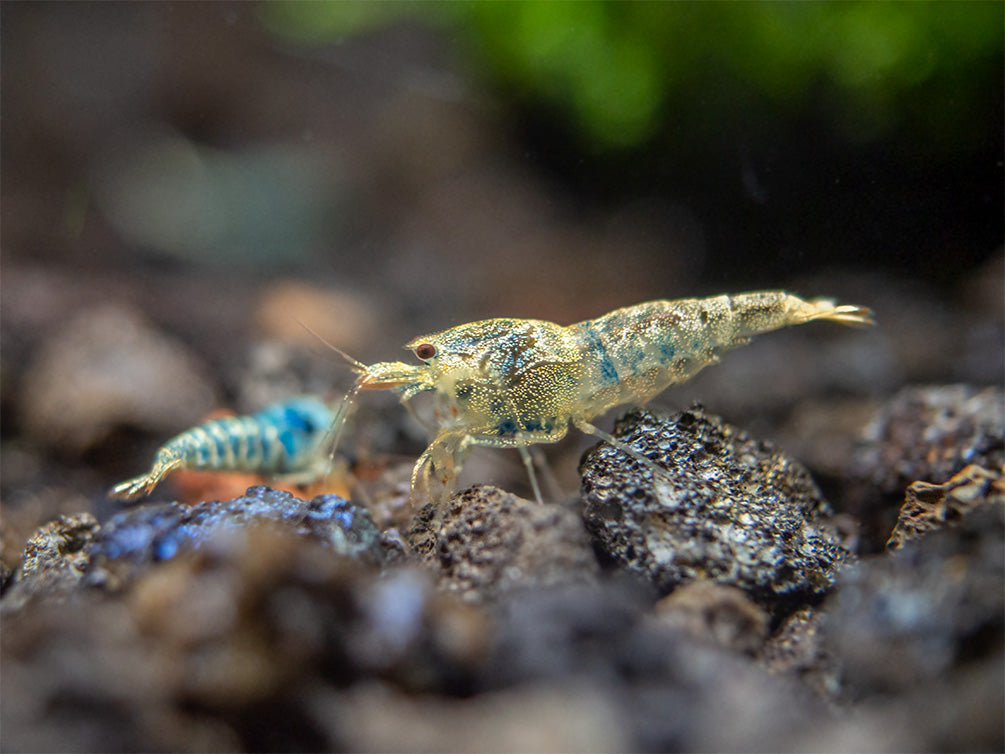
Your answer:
<point x="513" y="383"/>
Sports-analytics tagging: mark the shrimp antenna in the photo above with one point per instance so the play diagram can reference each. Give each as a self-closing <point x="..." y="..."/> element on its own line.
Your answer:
<point x="357" y="365"/>
<point x="334" y="434"/>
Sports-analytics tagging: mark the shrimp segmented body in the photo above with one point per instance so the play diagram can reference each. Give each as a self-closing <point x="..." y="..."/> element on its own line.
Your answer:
<point x="513" y="383"/>
<point x="285" y="439"/>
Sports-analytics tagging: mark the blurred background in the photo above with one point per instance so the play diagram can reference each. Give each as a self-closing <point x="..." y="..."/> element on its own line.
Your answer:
<point x="184" y="184"/>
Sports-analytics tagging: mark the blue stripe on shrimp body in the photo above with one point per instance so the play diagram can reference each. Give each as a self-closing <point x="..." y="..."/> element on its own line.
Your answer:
<point x="281" y="438"/>
<point x="634" y="353"/>
<point x="301" y="424"/>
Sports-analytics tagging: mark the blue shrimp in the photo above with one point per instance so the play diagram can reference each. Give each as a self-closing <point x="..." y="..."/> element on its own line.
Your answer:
<point x="285" y="439"/>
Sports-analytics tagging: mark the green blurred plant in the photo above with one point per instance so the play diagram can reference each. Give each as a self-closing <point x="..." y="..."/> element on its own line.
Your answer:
<point x="621" y="73"/>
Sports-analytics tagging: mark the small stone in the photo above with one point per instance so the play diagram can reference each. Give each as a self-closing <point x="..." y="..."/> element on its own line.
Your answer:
<point x="56" y="559"/>
<point x="722" y="615"/>
<point x="154" y="533"/>
<point x="930" y="434"/>
<point x="730" y="509"/>
<point x="110" y="367"/>
<point x="933" y="506"/>
<point x="796" y="647"/>
<point x="491" y="542"/>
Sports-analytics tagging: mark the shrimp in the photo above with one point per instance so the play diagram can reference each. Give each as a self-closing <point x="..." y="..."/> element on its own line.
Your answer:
<point x="285" y="439"/>
<point x="514" y="383"/>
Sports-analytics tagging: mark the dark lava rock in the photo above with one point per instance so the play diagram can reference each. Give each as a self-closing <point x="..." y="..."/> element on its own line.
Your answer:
<point x="76" y="549"/>
<point x="490" y="542"/>
<point x="919" y="613"/>
<point x="796" y="647"/>
<point x="550" y="633"/>
<point x="159" y="532"/>
<point x="931" y="433"/>
<point x="934" y="506"/>
<point x="57" y="555"/>
<point x="730" y="509"/>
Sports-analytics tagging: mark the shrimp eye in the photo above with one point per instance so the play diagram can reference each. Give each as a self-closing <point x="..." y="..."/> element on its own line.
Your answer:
<point x="425" y="351"/>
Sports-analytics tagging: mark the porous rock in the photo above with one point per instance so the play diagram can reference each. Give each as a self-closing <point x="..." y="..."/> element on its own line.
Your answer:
<point x="796" y="647"/>
<point x="55" y="559"/>
<point x="158" y="532"/>
<point x="76" y="549"/>
<point x="673" y="692"/>
<point x="729" y="509"/>
<point x="490" y="542"/>
<point x="930" y="433"/>
<point x="930" y="507"/>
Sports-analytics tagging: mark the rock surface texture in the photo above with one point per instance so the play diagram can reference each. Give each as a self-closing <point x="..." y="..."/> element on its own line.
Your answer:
<point x="716" y="505"/>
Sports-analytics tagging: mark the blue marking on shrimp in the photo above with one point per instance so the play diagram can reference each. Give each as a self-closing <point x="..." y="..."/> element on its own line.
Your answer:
<point x="608" y="373"/>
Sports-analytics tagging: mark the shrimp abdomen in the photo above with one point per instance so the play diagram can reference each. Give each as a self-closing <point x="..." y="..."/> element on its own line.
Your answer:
<point x="632" y="354"/>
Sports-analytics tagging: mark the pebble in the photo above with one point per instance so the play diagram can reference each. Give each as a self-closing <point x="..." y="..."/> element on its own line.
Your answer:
<point x="930" y="433"/>
<point x="930" y="507"/>
<point x="731" y="509"/>
<point x="491" y="542"/>
<point x="109" y="367"/>
<point x="796" y="648"/>
<point x="722" y="615"/>
<point x="55" y="559"/>
<point x="159" y="532"/>
<point x="76" y="549"/>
